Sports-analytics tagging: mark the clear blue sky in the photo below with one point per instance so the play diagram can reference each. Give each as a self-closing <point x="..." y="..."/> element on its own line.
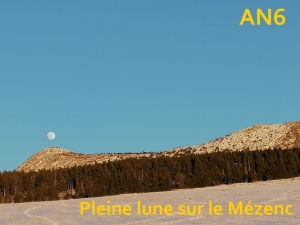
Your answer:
<point x="130" y="76"/>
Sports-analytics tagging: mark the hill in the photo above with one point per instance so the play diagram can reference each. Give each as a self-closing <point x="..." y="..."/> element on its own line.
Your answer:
<point x="258" y="137"/>
<point x="55" y="157"/>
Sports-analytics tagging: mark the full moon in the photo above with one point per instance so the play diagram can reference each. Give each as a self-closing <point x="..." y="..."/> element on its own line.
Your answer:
<point x="51" y="135"/>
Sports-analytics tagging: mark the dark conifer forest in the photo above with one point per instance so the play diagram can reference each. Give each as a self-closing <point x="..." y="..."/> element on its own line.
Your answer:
<point x="146" y="174"/>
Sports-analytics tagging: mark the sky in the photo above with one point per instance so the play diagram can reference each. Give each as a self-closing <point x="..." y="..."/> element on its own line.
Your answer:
<point x="132" y="76"/>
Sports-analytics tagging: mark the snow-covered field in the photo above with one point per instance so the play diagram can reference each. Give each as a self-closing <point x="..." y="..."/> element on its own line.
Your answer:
<point x="281" y="192"/>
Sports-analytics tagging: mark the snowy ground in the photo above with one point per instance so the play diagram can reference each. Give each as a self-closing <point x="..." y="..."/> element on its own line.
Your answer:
<point x="283" y="192"/>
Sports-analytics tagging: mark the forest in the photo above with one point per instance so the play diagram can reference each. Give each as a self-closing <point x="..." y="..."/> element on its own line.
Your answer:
<point x="146" y="174"/>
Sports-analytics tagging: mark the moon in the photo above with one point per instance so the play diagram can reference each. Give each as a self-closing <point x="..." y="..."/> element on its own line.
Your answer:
<point x="51" y="135"/>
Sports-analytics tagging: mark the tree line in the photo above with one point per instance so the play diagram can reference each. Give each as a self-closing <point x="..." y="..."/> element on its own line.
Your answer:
<point x="145" y="174"/>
